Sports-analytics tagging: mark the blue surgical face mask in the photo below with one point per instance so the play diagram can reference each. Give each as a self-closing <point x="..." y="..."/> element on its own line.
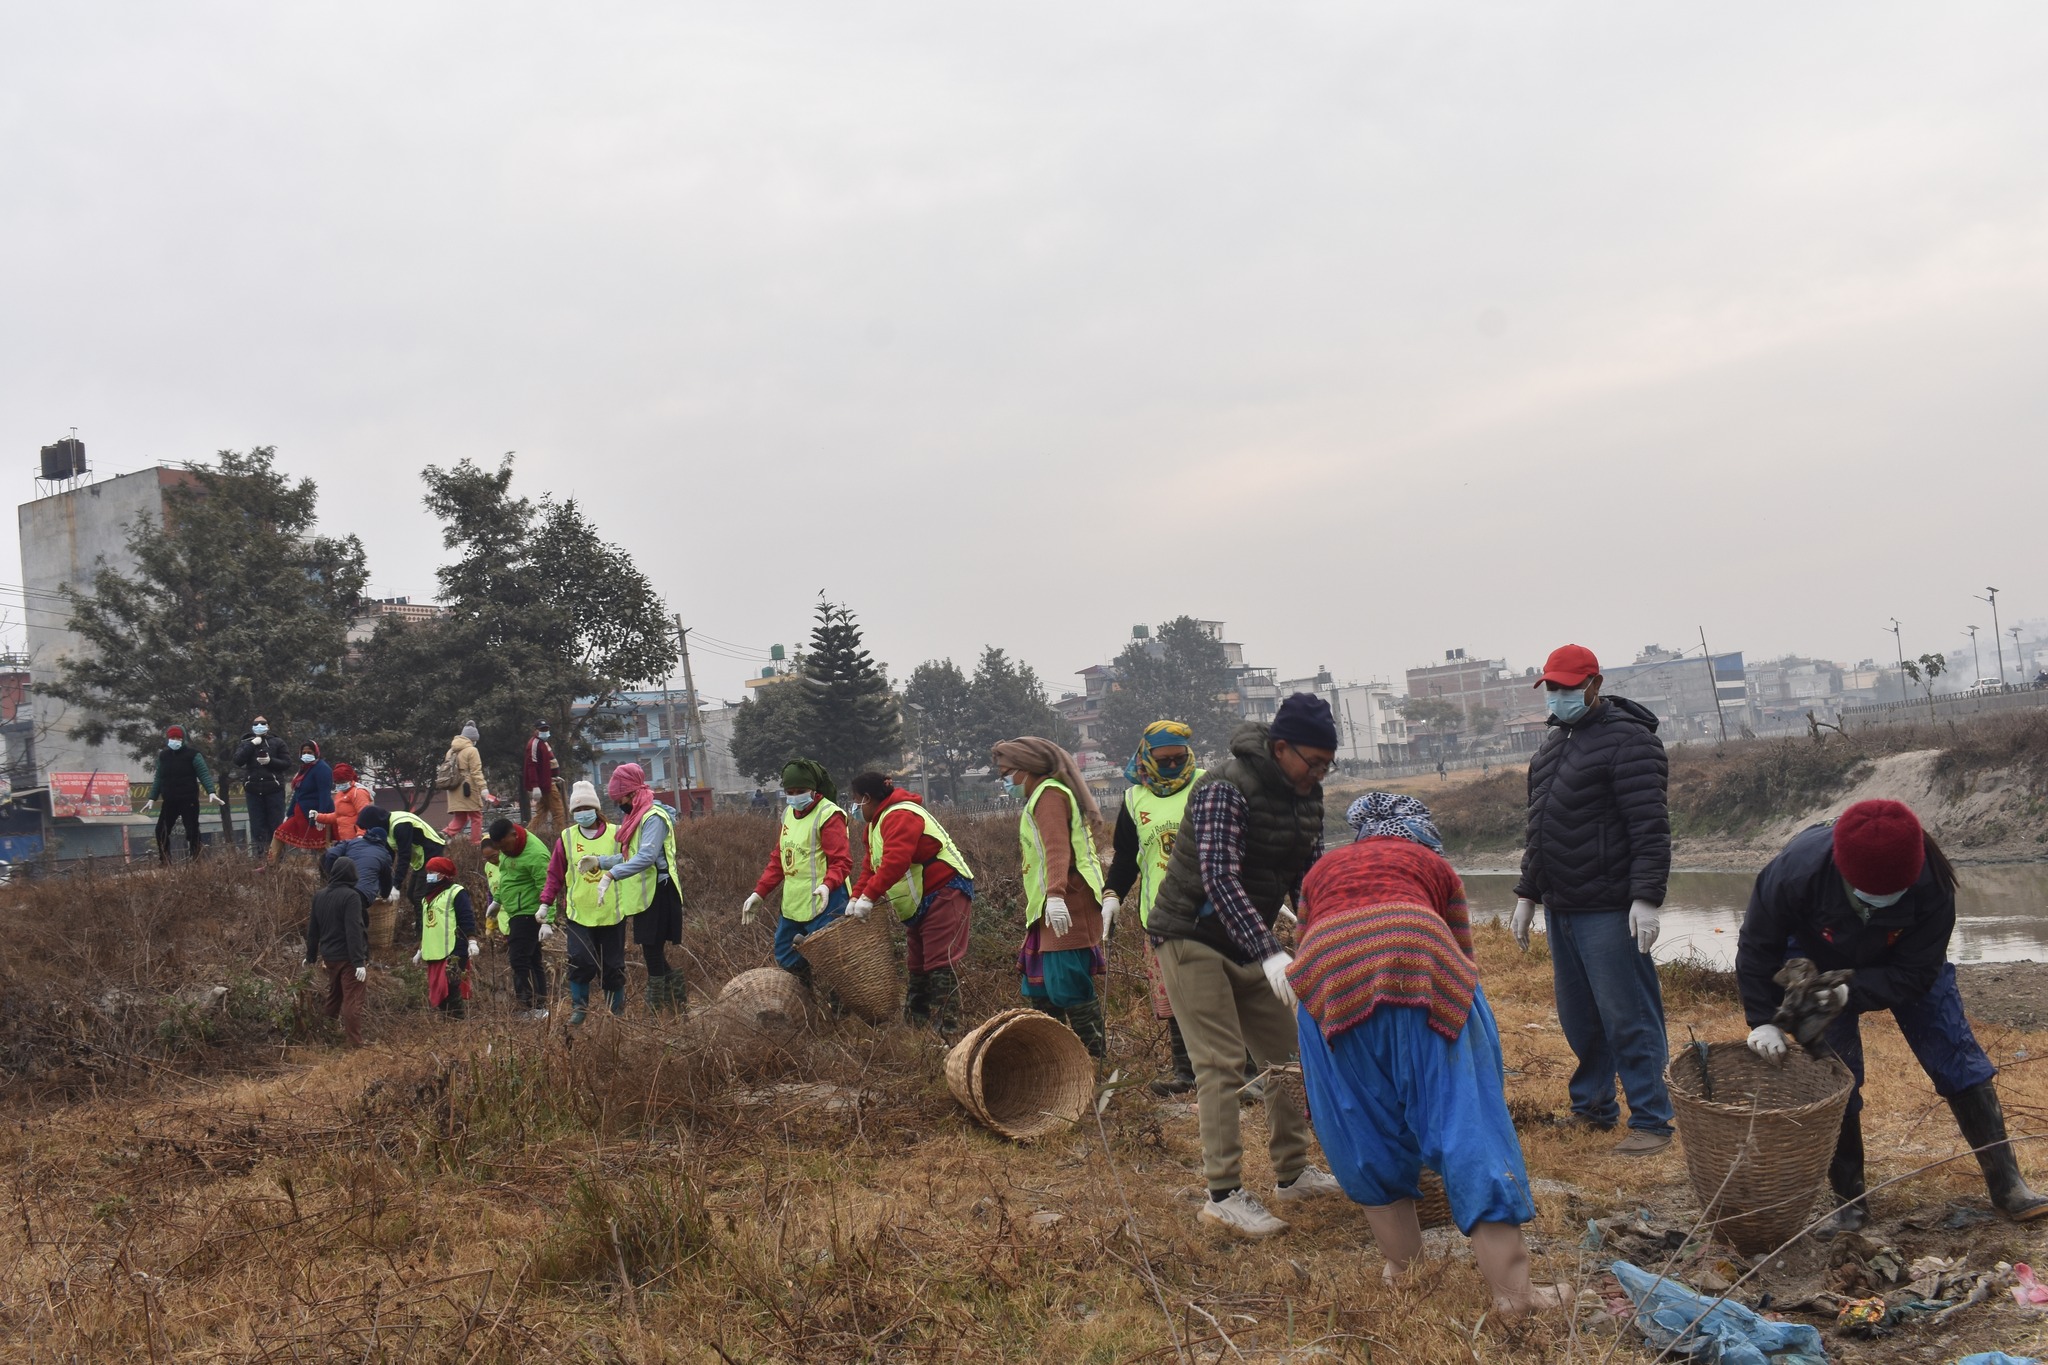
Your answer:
<point x="174" y="744"/>
<point x="309" y="758"/>
<point x="799" y="800"/>
<point x="586" y="817"/>
<point x="259" y="729"/>
<point x="1012" y="787"/>
<point x="1878" y="902"/>
<point x="433" y="878"/>
<point x="1567" y="704"/>
<point x="343" y="786"/>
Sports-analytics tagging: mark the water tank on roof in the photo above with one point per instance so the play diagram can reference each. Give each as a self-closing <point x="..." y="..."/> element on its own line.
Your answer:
<point x="775" y="653"/>
<point x="1141" y="632"/>
<point x="65" y="459"/>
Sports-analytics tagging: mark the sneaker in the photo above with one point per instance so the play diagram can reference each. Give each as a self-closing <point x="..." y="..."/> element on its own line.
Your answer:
<point x="536" y="1015"/>
<point x="1252" y="1092"/>
<point x="1309" y="1184"/>
<point x="1575" y="1122"/>
<point x="1243" y="1215"/>
<point x="1641" y="1142"/>
<point x="1172" y="1085"/>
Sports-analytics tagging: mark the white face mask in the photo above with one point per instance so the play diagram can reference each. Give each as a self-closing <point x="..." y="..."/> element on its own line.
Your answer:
<point x="174" y="744"/>
<point x="586" y="817"/>
<point x="1879" y="902"/>
<point x="343" y="786"/>
<point x="433" y="878"/>
<point x="259" y="729"/>
<point x="309" y="758"/>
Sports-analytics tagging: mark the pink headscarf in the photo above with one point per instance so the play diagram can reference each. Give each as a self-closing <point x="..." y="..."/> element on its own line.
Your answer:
<point x="628" y="786"/>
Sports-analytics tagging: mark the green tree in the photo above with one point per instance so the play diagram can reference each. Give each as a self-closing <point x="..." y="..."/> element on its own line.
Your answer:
<point x="1925" y="670"/>
<point x="394" y="711"/>
<point x="855" y="724"/>
<point x="1432" y="713"/>
<point x="1484" y="720"/>
<point x="778" y="723"/>
<point x="1183" y="674"/>
<point x="948" y="737"/>
<point x="1008" y="700"/>
<point x="540" y="612"/>
<point x="235" y="607"/>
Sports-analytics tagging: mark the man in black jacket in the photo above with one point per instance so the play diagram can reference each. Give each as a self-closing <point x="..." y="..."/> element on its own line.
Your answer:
<point x="266" y="767"/>
<point x="1596" y="857"/>
<point x="181" y="775"/>
<point x="337" y="938"/>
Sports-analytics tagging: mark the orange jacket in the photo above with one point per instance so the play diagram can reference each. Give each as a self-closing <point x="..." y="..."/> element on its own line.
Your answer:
<point x="342" y="819"/>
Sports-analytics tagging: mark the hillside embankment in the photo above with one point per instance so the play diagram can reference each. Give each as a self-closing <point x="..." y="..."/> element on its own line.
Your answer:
<point x="1980" y="787"/>
<point x="201" y="1173"/>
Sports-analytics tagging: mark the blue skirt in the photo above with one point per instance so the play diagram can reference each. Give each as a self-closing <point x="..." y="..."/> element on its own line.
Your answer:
<point x="1392" y="1095"/>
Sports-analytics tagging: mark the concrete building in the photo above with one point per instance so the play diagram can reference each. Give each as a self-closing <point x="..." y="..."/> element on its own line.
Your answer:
<point x="67" y="538"/>
<point x="655" y="733"/>
<point x="1691" y="695"/>
<point x="1472" y="684"/>
<point x="376" y="609"/>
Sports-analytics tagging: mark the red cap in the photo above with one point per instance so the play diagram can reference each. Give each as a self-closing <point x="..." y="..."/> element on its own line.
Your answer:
<point x="1879" y="847"/>
<point x="344" y="773"/>
<point x="175" y="732"/>
<point x="1568" y="666"/>
<point x="441" y="865"/>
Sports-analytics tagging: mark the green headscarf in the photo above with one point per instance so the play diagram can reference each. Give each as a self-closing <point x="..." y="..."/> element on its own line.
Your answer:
<point x="809" y="774"/>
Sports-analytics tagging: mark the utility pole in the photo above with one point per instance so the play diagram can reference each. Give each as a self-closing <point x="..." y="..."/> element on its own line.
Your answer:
<point x="1714" y="685"/>
<point x="1995" y="635"/>
<point x="1899" y="641"/>
<point x="668" y="698"/>
<point x="690" y="700"/>
<point x="1976" y="659"/>
<point x="2019" y="658"/>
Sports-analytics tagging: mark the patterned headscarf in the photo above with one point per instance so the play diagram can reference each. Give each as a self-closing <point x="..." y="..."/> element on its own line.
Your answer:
<point x="1143" y="771"/>
<point x="628" y="786"/>
<point x="1387" y="814"/>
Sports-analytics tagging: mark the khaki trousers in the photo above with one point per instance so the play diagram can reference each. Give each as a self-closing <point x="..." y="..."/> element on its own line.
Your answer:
<point x="1223" y="1010"/>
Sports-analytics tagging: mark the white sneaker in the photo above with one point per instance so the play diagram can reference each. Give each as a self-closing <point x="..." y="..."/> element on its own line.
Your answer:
<point x="536" y="1015"/>
<point x="1243" y="1215"/>
<point x="1310" y="1184"/>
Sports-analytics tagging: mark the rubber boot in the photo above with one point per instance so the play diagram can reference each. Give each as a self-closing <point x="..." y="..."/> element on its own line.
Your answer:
<point x="1085" y="1019"/>
<point x="617" y="1000"/>
<point x="945" y="1000"/>
<point x="1503" y="1258"/>
<point x="1183" y="1078"/>
<point x="656" y="992"/>
<point x="579" y="1001"/>
<point x="917" y="1004"/>
<point x="676" y="995"/>
<point x="1845" y="1178"/>
<point x="1978" y="1114"/>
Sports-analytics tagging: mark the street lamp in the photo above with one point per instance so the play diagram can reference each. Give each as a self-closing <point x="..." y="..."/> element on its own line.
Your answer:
<point x="1976" y="662"/>
<point x="1899" y="641"/>
<point x="1993" y="600"/>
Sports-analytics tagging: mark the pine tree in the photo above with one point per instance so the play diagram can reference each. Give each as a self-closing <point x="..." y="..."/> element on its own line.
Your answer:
<point x="778" y="723"/>
<point x="1009" y="701"/>
<point x="855" y="724"/>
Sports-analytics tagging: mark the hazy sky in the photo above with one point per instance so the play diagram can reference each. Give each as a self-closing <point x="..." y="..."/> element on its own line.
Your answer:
<point x="1371" y="330"/>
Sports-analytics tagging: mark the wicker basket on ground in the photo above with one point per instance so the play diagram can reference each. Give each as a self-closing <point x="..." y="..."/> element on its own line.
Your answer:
<point x="855" y="959"/>
<point x="1022" y="1073"/>
<point x="764" y="1000"/>
<point x="383" y="923"/>
<point x="1757" y="1136"/>
<point x="1433" y="1209"/>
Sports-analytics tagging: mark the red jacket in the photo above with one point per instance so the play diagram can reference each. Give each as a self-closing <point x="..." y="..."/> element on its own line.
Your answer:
<point x="831" y="841"/>
<point x="899" y="850"/>
<point x="540" y="768"/>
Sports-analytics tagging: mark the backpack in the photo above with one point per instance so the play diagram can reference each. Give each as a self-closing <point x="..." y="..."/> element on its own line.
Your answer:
<point x="448" y="776"/>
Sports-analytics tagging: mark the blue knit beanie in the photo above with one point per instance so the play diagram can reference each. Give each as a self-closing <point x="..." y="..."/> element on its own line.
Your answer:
<point x="1304" y="719"/>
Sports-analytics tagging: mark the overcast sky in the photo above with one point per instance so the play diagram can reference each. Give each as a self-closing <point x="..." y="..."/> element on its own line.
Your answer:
<point x="1370" y="330"/>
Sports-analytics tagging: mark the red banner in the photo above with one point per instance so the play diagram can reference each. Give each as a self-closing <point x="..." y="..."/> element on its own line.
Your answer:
<point x="73" y="794"/>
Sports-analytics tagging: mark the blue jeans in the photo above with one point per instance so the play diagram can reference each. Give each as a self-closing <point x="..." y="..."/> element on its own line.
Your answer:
<point x="1391" y="1095"/>
<point x="1612" y="1012"/>
<point x="1937" y="1032"/>
<point x="788" y="930"/>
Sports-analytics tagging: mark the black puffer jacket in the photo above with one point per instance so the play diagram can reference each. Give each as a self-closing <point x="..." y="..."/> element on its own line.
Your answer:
<point x="1599" y="835"/>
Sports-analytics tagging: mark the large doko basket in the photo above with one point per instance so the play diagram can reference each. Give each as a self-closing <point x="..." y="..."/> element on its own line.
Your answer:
<point x="1757" y="1136"/>
<point x="764" y="1000"/>
<point x="1284" y="1083"/>
<point x="1023" y="1073"/>
<point x="383" y="923"/>
<point x="855" y="959"/>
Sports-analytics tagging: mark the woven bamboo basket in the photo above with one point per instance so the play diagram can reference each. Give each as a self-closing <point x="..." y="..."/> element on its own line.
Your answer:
<point x="1758" y="1150"/>
<point x="766" y="999"/>
<point x="856" y="959"/>
<point x="1433" y="1209"/>
<point x="383" y="929"/>
<point x="1022" y="1073"/>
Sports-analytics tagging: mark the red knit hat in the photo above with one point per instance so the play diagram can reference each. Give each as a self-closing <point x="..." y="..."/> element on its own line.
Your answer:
<point x="175" y="732"/>
<point x="442" y="866"/>
<point x="1879" y="847"/>
<point x="344" y="773"/>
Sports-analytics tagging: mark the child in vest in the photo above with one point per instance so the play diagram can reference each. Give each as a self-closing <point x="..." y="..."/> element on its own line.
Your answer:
<point x="1062" y="951"/>
<point x="447" y="938"/>
<point x="811" y="863"/>
<point x="593" y="907"/>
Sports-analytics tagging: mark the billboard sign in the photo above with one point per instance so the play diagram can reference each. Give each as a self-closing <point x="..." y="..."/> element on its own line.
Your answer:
<point x="78" y="794"/>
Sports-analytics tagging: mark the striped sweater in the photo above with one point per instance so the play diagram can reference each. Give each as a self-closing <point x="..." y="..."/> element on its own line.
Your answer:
<point x="1383" y="922"/>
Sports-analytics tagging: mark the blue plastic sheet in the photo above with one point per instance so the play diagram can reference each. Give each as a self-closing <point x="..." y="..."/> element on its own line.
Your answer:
<point x="1723" y="1333"/>
<point x="1997" y="1358"/>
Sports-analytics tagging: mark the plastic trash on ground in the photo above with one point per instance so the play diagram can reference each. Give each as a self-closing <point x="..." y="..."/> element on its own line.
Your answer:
<point x="1717" y="1333"/>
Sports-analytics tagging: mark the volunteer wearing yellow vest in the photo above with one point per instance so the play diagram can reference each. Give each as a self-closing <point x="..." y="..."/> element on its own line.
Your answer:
<point x="447" y="937"/>
<point x="1062" y="952"/>
<point x="811" y="863"/>
<point x="412" y="841"/>
<point x="594" y="908"/>
<point x="644" y="869"/>
<point x="1161" y="773"/>
<point x="916" y="868"/>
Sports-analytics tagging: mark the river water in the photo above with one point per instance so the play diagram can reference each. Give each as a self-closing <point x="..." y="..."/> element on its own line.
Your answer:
<point x="2001" y="912"/>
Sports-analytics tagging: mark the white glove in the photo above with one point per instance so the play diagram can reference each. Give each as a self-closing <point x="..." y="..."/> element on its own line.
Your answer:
<point x="1287" y="913"/>
<point x="264" y="759"/>
<point x="475" y="949"/>
<point x="393" y="897"/>
<point x="418" y="960"/>
<point x="1057" y="917"/>
<point x="588" y="864"/>
<point x="214" y="797"/>
<point x="533" y="797"/>
<point x="747" y="909"/>
<point x="362" y="973"/>
<point x="859" y="909"/>
<point x="1110" y="905"/>
<point x="547" y="912"/>
<point x="1768" y="1042"/>
<point x="493" y="908"/>
<point x="1644" y="922"/>
<point x="1519" y="922"/>
<point x="148" y="806"/>
<point x="1840" y="997"/>
<point x="1276" y="976"/>
<point x="820" y="894"/>
<point x="547" y="931"/>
